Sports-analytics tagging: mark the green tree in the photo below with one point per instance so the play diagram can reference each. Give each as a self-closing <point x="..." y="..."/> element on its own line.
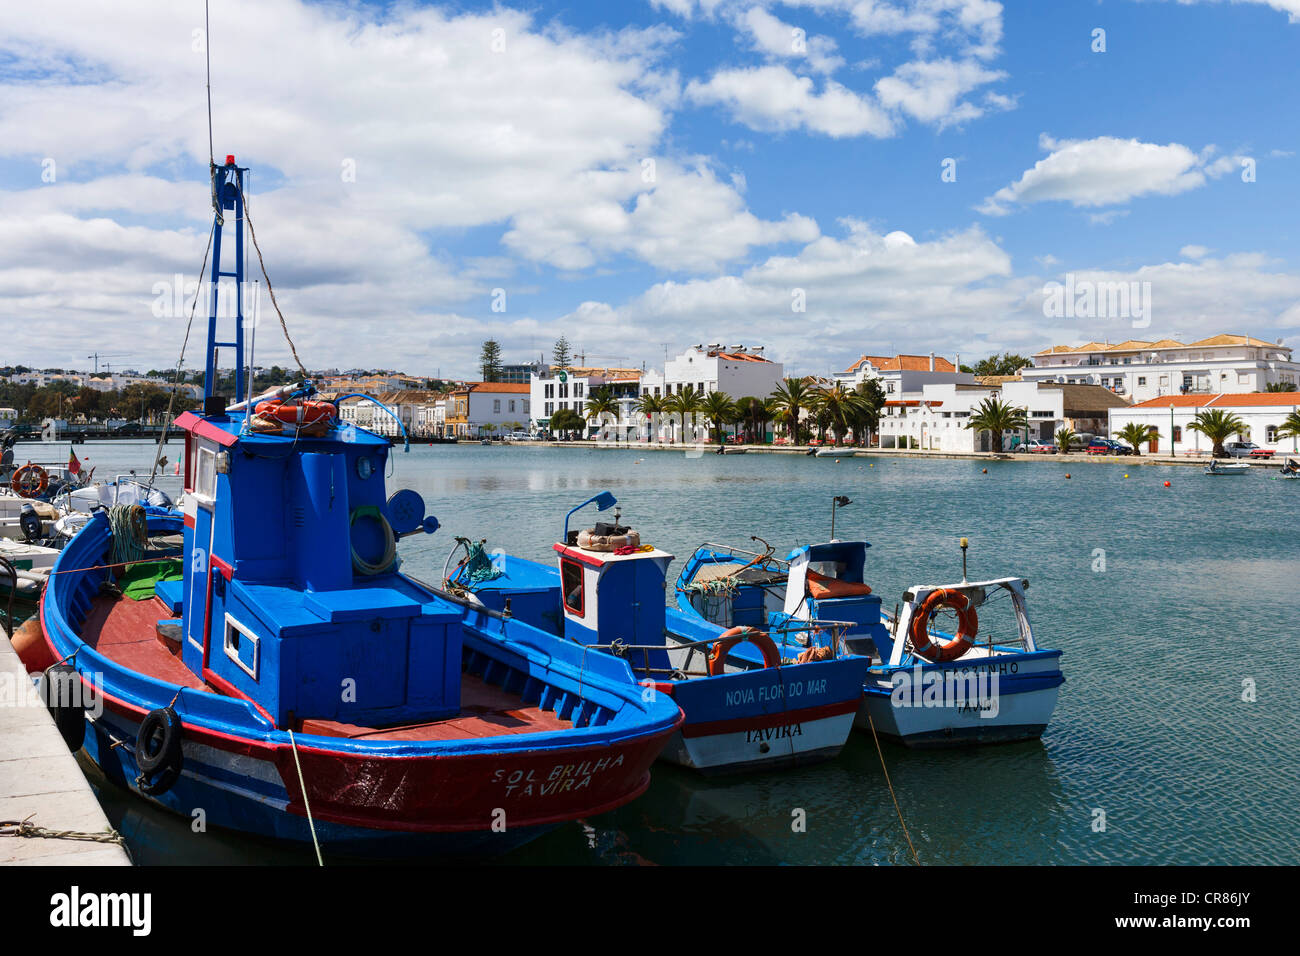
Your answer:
<point x="1280" y="387"/>
<point x="1064" y="438"/>
<point x="720" y="411"/>
<point x="1290" y="427"/>
<point x="567" y="420"/>
<point x="560" y="353"/>
<point x="838" y="408"/>
<point x="1008" y="364"/>
<point x="1135" y="434"/>
<point x="996" y="416"/>
<point x="601" y="405"/>
<point x="686" y="404"/>
<point x="872" y="395"/>
<point x="1218" y="426"/>
<point x="790" y="399"/>
<point x="489" y="361"/>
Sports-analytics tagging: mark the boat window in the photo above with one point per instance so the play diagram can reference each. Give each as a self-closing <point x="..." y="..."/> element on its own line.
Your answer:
<point x="205" y="479"/>
<point x="571" y="581"/>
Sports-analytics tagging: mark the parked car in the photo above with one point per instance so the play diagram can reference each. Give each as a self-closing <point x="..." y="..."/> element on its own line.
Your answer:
<point x="1107" y="446"/>
<point x="1246" y="449"/>
<point x="1038" y="446"/>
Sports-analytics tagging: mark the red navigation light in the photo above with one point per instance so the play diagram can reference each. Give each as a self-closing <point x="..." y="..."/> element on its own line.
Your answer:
<point x="230" y="159"/>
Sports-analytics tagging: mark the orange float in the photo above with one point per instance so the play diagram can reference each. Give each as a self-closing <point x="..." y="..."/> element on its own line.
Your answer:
<point x="30" y="481"/>
<point x="733" y="636"/>
<point x="919" y="631"/>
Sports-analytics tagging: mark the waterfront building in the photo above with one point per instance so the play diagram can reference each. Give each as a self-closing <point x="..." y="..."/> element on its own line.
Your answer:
<point x="551" y="388"/>
<point x="900" y="375"/>
<point x="936" y="418"/>
<point x="482" y="409"/>
<point x="1169" y="416"/>
<point x="1142" y="370"/>
<point x="737" y="371"/>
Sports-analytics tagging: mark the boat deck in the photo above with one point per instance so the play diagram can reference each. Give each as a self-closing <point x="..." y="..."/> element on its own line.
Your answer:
<point x="125" y="632"/>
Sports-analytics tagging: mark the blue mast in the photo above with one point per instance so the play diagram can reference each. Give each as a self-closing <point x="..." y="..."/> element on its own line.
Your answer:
<point x="227" y="193"/>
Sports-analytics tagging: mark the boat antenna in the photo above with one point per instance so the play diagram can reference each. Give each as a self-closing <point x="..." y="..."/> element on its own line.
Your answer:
<point x="965" y="543"/>
<point x="207" y="54"/>
<point x="839" y="501"/>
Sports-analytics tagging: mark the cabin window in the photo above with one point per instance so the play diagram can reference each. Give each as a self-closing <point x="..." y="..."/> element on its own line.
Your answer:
<point x="571" y="582"/>
<point x="241" y="646"/>
<point x="205" y="473"/>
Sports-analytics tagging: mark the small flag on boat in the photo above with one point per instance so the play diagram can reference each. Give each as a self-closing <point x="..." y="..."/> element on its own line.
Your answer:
<point x="74" y="466"/>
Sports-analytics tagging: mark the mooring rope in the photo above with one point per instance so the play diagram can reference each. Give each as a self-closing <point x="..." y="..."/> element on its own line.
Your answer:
<point x="29" y="830"/>
<point x="130" y="533"/>
<point x="302" y="785"/>
<point x="892" y="795"/>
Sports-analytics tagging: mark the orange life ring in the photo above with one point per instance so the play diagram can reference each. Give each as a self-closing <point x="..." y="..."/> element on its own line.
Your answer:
<point x="30" y="481"/>
<point x="300" y="414"/>
<point x="730" y="638"/>
<point x="919" y="631"/>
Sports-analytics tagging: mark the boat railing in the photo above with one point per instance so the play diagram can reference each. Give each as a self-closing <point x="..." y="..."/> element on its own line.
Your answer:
<point x="764" y="558"/>
<point x="622" y="649"/>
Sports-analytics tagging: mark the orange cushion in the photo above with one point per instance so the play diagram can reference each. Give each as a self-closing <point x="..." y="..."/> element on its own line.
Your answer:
<point x="820" y="586"/>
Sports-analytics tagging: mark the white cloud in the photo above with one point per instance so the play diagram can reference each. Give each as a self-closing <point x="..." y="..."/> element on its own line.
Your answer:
<point x="932" y="91"/>
<point x="776" y="38"/>
<point x="1194" y="252"/>
<point x="1105" y="171"/>
<point x="775" y="99"/>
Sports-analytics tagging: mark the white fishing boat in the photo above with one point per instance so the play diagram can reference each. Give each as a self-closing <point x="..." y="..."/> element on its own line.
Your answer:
<point x="833" y="452"/>
<point x="26" y="519"/>
<point x="30" y="564"/>
<point x="1219" y="468"/>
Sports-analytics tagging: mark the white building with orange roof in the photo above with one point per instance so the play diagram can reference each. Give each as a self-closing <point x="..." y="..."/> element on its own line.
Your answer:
<point x="901" y="375"/>
<point x="482" y="409"/>
<point x="1142" y="370"/>
<point x="1170" y="418"/>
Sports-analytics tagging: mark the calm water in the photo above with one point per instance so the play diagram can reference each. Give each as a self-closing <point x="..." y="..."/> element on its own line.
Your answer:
<point x="1197" y="595"/>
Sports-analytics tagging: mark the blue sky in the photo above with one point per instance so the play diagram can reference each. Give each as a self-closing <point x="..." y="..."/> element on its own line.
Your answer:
<point x="507" y="148"/>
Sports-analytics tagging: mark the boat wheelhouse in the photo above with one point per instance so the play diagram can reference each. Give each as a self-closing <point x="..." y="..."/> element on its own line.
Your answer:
<point x="747" y="705"/>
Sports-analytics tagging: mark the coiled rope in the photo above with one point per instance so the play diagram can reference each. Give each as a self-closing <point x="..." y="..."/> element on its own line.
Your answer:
<point x="130" y="533"/>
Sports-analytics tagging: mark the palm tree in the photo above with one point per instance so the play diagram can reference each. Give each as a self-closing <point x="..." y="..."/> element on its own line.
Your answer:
<point x="1218" y="426"/>
<point x="838" y="407"/>
<point x="1290" y="427"/>
<point x="790" y="398"/>
<point x="996" y="416"/>
<point x="720" y="410"/>
<point x="1280" y="387"/>
<point x="1064" y="438"/>
<point x="868" y="415"/>
<point x="601" y="402"/>
<point x="650" y="406"/>
<point x="1135" y="434"/>
<point x="686" y="404"/>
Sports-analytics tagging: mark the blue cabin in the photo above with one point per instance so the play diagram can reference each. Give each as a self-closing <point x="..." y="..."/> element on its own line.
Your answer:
<point x="825" y="584"/>
<point x="294" y="600"/>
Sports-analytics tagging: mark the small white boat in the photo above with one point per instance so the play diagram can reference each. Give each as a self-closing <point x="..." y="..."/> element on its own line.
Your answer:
<point x="833" y="452"/>
<point x="26" y="519"/>
<point x="31" y="564"/>
<point x="1227" y="468"/>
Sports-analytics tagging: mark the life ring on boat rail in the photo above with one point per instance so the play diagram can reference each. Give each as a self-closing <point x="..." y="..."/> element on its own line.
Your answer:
<point x="389" y="557"/>
<point x="968" y="626"/>
<point x="158" y="751"/>
<point x="588" y="540"/>
<point x="302" y="415"/>
<point x="30" y="481"/>
<point x="730" y="638"/>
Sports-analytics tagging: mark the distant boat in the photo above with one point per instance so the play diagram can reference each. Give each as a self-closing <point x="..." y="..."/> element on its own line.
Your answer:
<point x="1227" y="468"/>
<point x="836" y="452"/>
<point x="30" y="563"/>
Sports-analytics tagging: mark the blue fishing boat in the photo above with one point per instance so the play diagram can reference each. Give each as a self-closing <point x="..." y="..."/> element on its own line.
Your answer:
<point x="259" y="656"/>
<point x="748" y="704"/>
<point x="929" y="684"/>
